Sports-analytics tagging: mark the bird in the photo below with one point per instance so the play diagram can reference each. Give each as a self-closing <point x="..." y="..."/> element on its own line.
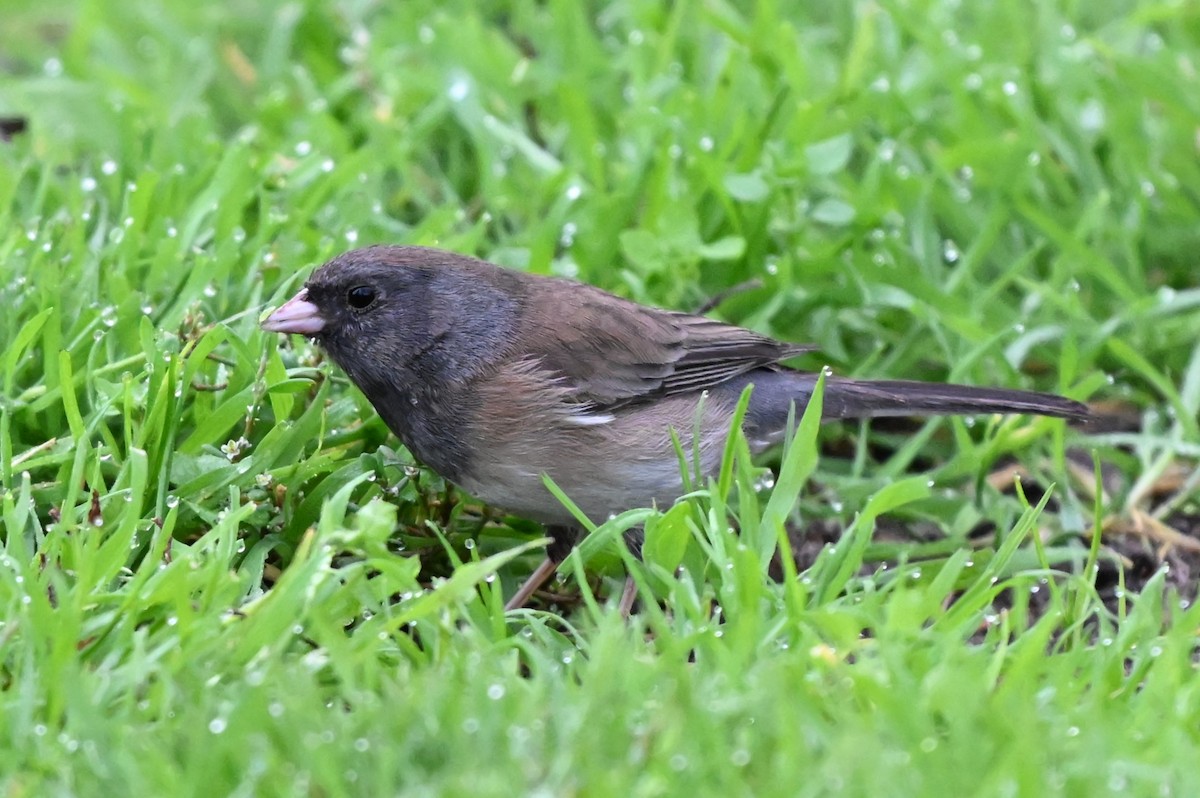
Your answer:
<point x="496" y="378"/>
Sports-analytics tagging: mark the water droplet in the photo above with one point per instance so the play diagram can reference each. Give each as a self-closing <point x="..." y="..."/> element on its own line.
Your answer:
<point x="1009" y="88"/>
<point x="574" y="192"/>
<point x="706" y="143"/>
<point x="109" y="167"/>
<point x="459" y="90"/>
<point x="88" y="184"/>
<point x="52" y="67"/>
<point x="567" y="237"/>
<point x="636" y="37"/>
<point x="973" y="81"/>
<point x="950" y="252"/>
<point x="303" y="148"/>
<point x="495" y="691"/>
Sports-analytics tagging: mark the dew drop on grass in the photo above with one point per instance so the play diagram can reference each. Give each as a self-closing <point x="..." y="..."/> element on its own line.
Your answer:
<point x="459" y="90"/>
<point x="303" y="148"/>
<point x="217" y="725"/>
<point x="567" y="237"/>
<point x="950" y="251"/>
<point x="425" y="34"/>
<point x="327" y="165"/>
<point x="973" y="81"/>
<point x="470" y="725"/>
<point x="495" y="691"/>
<point x="679" y="763"/>
<point x="109" y="167"/>
<point x="574" y="192"/>
<point x="706" y="143"/>
<point x="172" y="231"/>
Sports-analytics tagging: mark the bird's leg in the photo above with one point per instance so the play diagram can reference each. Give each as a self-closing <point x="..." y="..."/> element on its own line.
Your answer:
<point x="628" y="596"/>
<point x="562" y="542"/>
<point x="530" y="585"/>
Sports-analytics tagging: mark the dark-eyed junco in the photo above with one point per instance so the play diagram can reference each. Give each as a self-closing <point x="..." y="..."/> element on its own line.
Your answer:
<point x="493" y="378"/>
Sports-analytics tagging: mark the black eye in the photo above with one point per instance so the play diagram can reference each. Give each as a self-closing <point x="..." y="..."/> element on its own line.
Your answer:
<point x="360" y="296"/>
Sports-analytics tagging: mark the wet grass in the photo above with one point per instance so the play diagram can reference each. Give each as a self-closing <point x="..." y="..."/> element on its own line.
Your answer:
<point x="219" y="576"/>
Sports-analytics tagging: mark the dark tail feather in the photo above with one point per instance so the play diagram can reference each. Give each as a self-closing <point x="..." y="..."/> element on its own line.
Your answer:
<point x="846" y="398"/>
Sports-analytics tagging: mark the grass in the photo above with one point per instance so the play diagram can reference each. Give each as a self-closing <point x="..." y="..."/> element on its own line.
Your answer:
<point x="219" y="576"/>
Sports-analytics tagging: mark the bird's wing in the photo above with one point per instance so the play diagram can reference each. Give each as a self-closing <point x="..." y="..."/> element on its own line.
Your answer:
<point x="612" y="352"/>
